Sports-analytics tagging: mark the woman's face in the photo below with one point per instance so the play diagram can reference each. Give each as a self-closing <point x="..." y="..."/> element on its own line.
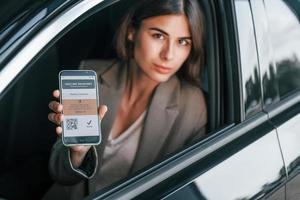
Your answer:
<point x="161" y="45"/>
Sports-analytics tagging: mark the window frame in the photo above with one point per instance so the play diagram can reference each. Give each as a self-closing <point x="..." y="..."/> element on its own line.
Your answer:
<point x="155" y="174"/>
<point x="67" y="20"/>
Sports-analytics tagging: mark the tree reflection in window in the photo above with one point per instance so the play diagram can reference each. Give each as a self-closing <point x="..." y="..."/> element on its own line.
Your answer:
<point x="285" y="38"/>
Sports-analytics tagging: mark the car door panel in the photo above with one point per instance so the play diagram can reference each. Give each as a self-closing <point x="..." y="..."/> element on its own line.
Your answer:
<point x="253" y="172"/>
<point x="288" y="126"/>
<point x="231" y="167"/>
<point x="282" y="33"/>
<point x="242" y="162"/>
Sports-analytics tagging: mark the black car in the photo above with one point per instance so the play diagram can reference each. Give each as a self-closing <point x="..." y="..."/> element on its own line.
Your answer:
<point x="251" y="80"/>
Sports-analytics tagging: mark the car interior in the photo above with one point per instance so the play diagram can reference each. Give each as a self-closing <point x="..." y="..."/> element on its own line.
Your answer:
<point x="26" y="134"/>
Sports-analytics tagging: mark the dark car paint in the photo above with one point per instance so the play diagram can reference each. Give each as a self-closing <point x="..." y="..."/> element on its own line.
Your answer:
<point x="25" y="25"/>
<point x="234" y="148"/>
<point x="223" y="171"/>
<point x="11" y="9"/>
<point x="286" y="118"/>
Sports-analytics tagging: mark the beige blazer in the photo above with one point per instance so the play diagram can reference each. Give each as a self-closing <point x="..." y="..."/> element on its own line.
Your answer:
<point x="176" y="116"/>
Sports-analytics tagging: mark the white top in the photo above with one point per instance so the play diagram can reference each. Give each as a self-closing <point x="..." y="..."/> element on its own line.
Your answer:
<point x="119" y="154"/>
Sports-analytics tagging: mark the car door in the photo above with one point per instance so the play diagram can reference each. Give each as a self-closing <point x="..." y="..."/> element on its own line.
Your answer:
<point x="241" y="160"/>
<point x="240" y="157"/>
<point x="32" y="52"/>
<point x="282" y="37"/>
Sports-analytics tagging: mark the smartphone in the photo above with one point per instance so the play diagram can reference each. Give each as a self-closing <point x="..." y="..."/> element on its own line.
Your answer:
<point x="79" y="96"/>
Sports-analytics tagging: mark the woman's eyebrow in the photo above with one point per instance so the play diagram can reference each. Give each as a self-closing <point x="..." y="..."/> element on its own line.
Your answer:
<point x="159" y="30"/>
<point x="164" y="32"/>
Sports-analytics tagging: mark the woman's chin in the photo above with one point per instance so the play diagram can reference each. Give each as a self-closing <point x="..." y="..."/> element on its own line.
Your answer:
<point x="159" y="78"/>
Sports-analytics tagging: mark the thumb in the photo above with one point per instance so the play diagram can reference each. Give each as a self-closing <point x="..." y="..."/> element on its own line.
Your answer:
<point x="102" y="110"/>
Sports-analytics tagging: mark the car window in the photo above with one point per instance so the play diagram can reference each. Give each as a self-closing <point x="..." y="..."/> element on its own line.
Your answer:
<point x="26" y="134"/>
<point x="96" y="42"/>
<point x="250" y="72"/>
<point x="265" y="54"/>
<point x="29" y="136"/>
<point x="283" y="19"/>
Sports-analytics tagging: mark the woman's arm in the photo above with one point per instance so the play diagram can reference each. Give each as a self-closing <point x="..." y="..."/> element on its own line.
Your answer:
<point x="69" y="165"/>
<point x="62" y="169"/>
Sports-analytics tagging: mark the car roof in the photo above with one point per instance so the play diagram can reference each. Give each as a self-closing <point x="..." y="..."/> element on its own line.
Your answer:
<point x="15" y="8"/>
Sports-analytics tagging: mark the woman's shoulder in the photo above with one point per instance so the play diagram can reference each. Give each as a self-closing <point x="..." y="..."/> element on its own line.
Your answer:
<point x="191" y="93"/>
<point x="192" y="102"/>
<point x="98" y="65"/>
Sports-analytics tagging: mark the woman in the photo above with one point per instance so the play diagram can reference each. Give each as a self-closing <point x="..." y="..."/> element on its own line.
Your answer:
<point x="154" y="104"/>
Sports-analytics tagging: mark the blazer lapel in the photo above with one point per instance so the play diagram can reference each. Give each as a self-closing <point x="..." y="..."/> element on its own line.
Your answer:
<point x="112" y="81"/>
<point x="161" y="115"/>
<point x="111" y="87"/>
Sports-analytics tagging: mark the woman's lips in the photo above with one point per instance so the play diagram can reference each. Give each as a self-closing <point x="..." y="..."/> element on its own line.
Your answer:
<point x="163" y="70"/>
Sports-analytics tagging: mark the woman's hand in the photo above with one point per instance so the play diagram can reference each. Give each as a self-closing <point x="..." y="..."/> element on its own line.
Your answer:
<point x="78" y="152"/>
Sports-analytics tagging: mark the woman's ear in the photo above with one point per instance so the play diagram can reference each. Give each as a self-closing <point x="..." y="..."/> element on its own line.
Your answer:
<point x="131" y="34"/>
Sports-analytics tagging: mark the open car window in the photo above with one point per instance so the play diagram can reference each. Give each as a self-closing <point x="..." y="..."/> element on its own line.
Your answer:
<point x="83" y="32"/>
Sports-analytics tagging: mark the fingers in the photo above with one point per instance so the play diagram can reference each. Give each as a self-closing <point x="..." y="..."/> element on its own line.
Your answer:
<point x="55" y="118"/>
<point x="58" y="130"/>
<point x="102" y="110"/>
<point x="55" y="106"/>
<point x="56" y="93"/>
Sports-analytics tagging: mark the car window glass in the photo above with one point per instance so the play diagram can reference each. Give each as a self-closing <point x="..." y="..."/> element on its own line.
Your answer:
<point x="284" y="34"/>
<point x="248" y="58"/>
<point x="265" y="54"/>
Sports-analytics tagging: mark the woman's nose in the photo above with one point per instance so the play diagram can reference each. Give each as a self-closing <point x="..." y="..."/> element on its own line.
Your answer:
<point x="167" y="52"/>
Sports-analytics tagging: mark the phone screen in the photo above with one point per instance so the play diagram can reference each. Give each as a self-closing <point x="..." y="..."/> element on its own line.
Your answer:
<point x="79" y="97"/>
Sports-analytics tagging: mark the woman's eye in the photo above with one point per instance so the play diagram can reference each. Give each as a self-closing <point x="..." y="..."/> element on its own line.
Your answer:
<point x="158" y="36"/>
<point x="184" y="42"/>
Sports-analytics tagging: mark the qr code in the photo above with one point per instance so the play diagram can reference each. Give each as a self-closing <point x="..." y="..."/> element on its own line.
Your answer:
<point x="72" y="124"/>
